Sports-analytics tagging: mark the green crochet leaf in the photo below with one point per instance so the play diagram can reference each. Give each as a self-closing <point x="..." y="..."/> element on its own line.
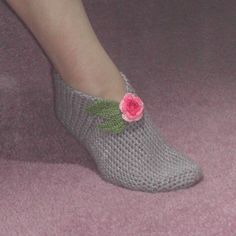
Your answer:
<point x="115" y="125"/>
<point x="110" y="110"/>
<point x="104" y="108"/>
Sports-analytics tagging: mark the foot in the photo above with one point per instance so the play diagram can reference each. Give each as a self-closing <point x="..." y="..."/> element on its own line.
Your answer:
<point x="138" y="158"/>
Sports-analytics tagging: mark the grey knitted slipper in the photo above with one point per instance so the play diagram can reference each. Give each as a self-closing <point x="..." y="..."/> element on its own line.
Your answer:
<point x="133" y="154"/>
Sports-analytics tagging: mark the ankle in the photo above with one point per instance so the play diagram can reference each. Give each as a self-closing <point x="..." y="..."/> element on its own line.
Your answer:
<point x="104" y="85"/>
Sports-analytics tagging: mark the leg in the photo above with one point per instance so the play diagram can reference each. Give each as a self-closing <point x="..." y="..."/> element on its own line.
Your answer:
<point x="132" y="154"/>
<point x="65" y="33"/>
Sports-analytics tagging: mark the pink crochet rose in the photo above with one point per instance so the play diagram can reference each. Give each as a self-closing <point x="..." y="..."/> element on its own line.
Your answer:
<point x="131" y="107"/>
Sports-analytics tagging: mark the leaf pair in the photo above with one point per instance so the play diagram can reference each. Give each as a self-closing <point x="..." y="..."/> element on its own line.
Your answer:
<point x="109" y="110"/>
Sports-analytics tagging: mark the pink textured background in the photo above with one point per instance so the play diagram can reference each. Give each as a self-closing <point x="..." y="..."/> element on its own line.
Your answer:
<point x="180" y="56"/>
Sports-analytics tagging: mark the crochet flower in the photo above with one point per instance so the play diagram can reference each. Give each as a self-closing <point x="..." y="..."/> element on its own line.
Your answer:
<point x="117" y="115"/>
<point x="131" y="107"/>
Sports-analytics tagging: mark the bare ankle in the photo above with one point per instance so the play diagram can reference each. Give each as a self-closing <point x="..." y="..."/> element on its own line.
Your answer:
<point x="106" y="86"/>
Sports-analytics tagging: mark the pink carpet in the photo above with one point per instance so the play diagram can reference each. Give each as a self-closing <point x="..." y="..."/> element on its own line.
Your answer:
<point x="180" y="56"/>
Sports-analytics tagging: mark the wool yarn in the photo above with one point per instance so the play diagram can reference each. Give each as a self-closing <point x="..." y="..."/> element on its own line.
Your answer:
<point x="139" y="158"/>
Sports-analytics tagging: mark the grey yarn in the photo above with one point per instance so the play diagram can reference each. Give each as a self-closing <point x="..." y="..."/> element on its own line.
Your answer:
<point x="139" y="158"/>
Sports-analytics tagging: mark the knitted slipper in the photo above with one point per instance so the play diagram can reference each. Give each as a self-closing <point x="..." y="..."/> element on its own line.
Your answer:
<point x="127" y="147"/>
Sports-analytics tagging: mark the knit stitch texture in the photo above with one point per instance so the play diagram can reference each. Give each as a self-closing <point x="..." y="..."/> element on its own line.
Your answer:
<point x="139" y="158"/>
